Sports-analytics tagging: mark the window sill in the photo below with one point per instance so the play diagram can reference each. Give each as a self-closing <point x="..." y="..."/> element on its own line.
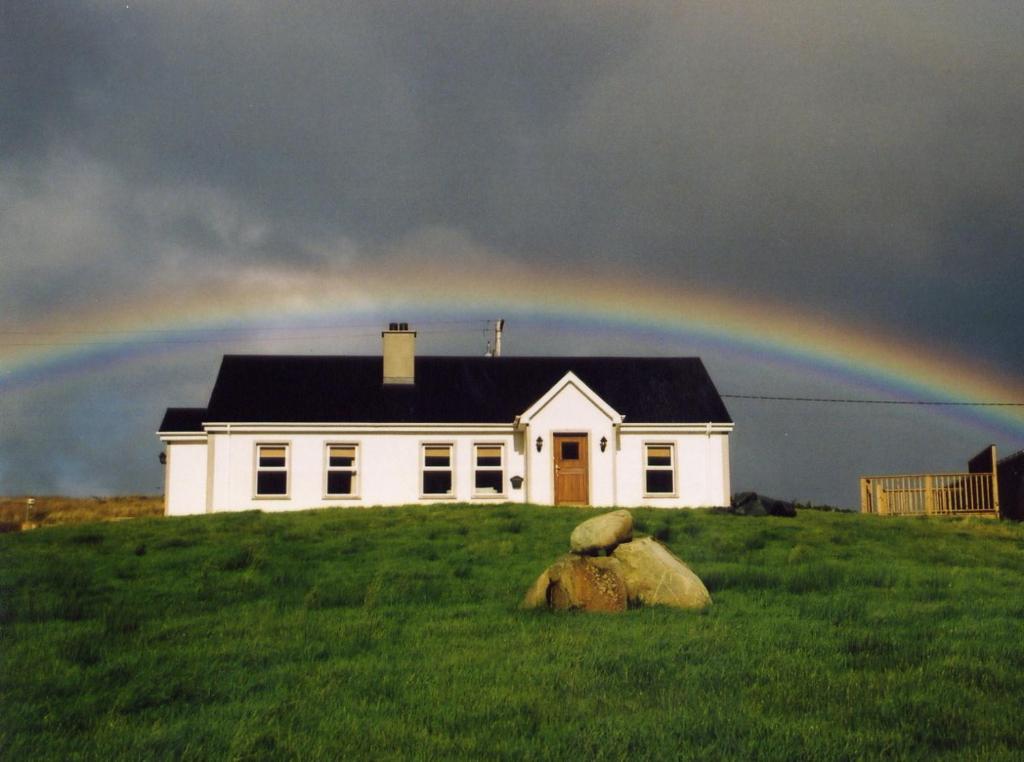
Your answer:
<point x="271" y="497"/>
<point x="340" y="497"/>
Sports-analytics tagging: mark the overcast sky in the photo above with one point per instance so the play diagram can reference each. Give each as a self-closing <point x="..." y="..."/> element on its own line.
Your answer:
<point x="864" y="160"/>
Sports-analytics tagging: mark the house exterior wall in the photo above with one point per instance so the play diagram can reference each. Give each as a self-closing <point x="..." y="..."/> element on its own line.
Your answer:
<point x="389" y="470"/>
<point x="185" y="478"/>
<point x="700" y="467"/>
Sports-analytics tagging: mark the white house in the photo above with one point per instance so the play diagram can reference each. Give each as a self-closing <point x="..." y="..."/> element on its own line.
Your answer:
<point x="292" y="432"/>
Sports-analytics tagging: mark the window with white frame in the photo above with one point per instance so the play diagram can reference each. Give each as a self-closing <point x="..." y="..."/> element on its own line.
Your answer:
<point x="488" y="470"/>
<point x="659" y="469"/>
<point x="271" y="470"/>
<point x="341" y="470"/>
<point x="437" y="470"/>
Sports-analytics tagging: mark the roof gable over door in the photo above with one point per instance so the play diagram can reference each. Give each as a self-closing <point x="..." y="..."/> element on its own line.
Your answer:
<point x="570" y="381"/>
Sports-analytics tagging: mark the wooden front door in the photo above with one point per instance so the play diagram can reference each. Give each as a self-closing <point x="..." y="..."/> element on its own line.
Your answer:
<point x="571" y="469"/>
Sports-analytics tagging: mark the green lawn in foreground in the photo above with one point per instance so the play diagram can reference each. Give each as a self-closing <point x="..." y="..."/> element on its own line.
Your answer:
<point x="394" y="632"/>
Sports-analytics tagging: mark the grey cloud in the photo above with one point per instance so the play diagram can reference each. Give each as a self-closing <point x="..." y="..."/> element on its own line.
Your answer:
<point x="862" y="159"/>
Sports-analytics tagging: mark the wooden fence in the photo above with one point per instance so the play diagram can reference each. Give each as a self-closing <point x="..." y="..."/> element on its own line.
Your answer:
<point x="930" y="495"/>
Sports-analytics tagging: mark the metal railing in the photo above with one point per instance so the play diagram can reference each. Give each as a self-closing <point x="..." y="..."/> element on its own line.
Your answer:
<point x="929" y="495"/>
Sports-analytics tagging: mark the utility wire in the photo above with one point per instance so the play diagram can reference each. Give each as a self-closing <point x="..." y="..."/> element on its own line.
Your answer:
<point x="222" y="335"/>
<point x="350" y="328"/>
<point x="845" y="401"/>
<point x="368" y="329"/>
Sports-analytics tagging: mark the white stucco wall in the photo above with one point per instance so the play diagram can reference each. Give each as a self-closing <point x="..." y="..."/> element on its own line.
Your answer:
<point x="701" y="467"/>
<point x="185" y="478"/>
<point x="388" y="467"/>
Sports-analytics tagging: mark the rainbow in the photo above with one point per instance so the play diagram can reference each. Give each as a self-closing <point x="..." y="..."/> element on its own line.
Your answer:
<point x="257" y="302"/>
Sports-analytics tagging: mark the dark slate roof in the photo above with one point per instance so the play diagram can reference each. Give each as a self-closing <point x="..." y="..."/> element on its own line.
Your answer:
<point x="183" y="419"/>
<point x="296" y="389"/>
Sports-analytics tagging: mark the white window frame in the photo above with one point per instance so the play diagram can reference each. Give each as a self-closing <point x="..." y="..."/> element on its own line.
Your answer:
<point x="424" y="468"/>
<point x="671" y="468"/>
<point x="500" y="468"/>
<point x="354" y="469"/>
<point x="286" y="469"/>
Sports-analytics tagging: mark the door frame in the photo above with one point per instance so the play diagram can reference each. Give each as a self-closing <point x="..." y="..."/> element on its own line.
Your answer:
<point x="555" y="435"/>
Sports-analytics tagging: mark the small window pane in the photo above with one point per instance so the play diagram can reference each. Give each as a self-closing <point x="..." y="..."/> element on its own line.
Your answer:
<point x="272" y="483"/>
<point x="659" y="455"/>
<point x="489" y="482"/>
<point x="488" y="456"/>
<point x="343" y="456"/>
<point x="570" y="450"/>
<point x="339" y="483"/>
<point x="439" y="457"/>
<point x="437" y="482"/>
<point x="272" y="457"/>
<point x="659" y="482"/>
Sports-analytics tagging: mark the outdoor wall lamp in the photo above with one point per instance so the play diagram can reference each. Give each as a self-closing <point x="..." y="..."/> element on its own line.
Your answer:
<point x="540" y="444"/>
<point x="163" y="459"/>
<point x="604" y="443"/>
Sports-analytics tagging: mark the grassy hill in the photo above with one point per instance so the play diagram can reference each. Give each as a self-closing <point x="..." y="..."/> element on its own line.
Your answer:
<point x="395" y="633"/>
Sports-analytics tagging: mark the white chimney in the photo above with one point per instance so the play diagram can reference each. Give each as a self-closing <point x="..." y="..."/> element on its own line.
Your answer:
<point x="399" y="354"/>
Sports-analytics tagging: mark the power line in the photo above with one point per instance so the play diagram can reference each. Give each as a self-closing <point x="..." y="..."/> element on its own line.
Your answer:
<point x="368" y="328"/>
<point x="223" y="335"/>
<point x="846" y="401"/>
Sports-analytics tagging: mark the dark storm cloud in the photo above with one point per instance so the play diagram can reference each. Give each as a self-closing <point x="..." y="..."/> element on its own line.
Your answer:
<point x="864" y="159"/>
<point x="840" y="154"/>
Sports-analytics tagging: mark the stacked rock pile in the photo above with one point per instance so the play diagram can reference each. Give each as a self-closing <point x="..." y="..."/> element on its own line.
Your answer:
<point x="630" y="572"/>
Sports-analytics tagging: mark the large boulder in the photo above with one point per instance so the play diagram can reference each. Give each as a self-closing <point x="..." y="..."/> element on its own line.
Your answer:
<point x="654" y="576"/>
<point x="602" y="532"/>
<point x="579" y="582"/>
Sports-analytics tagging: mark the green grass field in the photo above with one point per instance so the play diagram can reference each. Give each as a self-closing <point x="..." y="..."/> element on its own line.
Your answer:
<point x="395" y="633"/>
